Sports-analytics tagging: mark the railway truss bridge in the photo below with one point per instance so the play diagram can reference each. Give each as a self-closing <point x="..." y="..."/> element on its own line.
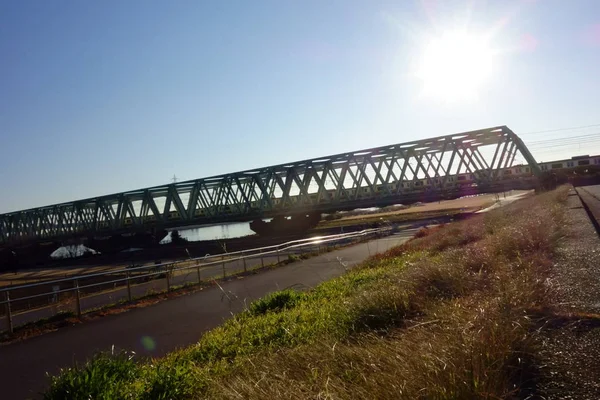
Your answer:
<point x="442" y="167"/>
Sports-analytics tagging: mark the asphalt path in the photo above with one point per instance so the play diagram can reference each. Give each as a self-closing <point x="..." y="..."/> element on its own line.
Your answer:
<point x="171" y="324"/>
<point x="112" y="295"/>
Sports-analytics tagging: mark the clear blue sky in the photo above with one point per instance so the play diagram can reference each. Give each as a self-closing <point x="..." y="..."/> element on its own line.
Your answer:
<point x="98" y="97"/>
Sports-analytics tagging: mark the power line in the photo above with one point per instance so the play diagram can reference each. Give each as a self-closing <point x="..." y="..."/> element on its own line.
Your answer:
<point x="559" y="130"/>
<point x="569" y="149"/>
<point x="565" y="139"/>
<point x="567" y="144"/>
<point x="587" y="144"/>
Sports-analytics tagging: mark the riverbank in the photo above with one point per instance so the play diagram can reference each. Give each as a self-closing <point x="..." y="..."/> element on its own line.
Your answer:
<point x="452" y="314"/>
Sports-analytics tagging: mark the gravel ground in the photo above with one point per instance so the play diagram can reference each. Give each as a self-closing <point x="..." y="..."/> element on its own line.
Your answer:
<point x="570" y="349"/>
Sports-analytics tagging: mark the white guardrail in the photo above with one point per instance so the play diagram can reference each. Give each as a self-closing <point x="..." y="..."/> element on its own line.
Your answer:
<point x="168" y="269"/>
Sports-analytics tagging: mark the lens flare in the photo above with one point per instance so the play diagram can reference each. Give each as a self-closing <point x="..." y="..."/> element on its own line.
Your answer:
<point x="148" y="343"/>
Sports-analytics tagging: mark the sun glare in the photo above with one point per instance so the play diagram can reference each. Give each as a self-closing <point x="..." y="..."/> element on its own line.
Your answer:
<point x="454" y="66"/>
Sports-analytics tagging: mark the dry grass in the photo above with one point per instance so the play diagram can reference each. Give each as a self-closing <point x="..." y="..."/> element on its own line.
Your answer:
<point x="470" y="203"/>
<point x="450" y="315"/>
<point x="474" y="335"/>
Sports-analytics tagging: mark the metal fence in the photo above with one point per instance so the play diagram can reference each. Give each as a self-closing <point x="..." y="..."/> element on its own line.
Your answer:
<point x="46" y="299"/>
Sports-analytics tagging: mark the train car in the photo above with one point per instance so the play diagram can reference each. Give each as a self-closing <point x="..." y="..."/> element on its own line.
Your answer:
<point x="572" y="164"/>
<point x="458" y="181"/>
<point x="149" y="218"/>
<point x="327" y="196"/>
<point x="173" y="215"/>
<point x="465" y="180"/>
<point x="103" y="225"/>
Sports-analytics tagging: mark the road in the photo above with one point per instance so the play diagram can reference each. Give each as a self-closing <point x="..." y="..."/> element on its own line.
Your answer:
<point x="170" y="324"/>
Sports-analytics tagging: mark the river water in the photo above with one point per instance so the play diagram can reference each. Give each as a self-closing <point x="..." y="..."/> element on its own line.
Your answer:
<point x="213" y="232"/>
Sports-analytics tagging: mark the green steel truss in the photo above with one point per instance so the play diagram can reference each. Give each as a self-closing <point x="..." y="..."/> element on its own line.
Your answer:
<point x="341" y="181"/>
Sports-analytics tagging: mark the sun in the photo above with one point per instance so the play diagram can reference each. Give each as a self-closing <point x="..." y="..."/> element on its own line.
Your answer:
<point x="454" y="66"/>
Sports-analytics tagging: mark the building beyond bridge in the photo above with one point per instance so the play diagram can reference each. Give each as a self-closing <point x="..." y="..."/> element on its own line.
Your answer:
<point x="441" y="167"/>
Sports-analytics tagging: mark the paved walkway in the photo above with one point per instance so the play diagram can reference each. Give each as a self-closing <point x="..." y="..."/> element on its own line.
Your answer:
<point x="502" y="201"/>
<point x="170" y="324"/>
<point x="120" y="293"/>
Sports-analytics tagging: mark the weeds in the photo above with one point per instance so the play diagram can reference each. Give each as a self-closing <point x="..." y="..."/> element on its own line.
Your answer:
<point x="104" y="377"/>
<point x="277" y="301"/>
<point x="168" y="381"/>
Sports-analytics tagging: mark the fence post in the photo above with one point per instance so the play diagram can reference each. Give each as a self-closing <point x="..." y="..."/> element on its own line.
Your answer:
<point x="167" y="268"/>
<point x="223" y="266"/>
<point x="9" y="321"/>
<point x="77" y="298"/>
<point x="198" y="271"/>
<point x="244" y="260"/>
<point x="128" y="287"/>
<point x="278" y="261"/>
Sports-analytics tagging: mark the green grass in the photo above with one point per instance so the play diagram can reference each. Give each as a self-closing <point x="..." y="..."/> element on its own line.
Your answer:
<point x="445" y="316"/>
